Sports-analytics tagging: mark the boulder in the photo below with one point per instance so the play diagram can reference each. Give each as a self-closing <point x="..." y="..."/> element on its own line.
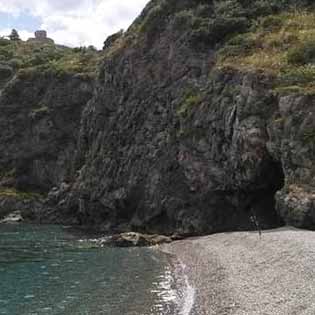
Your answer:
<point x="15" y="217"/>
<point x="132" y="239"/>
<point x="137" y="239"/>
<point x="297" y="207"/>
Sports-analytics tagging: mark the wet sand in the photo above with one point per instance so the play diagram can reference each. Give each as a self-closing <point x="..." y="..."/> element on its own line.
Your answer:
<point x="243" y="273"/>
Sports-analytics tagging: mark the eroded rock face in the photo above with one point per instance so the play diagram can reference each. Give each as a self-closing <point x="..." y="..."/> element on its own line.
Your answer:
<point x="292" y="142"/>
<point x="159" y="170"/>
<point x="16" y="207"/>
<point x="169" y="143"/>
<point x="39" y="122"/>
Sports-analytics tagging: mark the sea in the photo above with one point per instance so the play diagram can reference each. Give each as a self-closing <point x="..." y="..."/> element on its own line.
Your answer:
<point x="52" y="270"/>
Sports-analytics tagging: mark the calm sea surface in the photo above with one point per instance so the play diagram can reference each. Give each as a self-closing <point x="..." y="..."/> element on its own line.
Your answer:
<point x="47" y="270"/>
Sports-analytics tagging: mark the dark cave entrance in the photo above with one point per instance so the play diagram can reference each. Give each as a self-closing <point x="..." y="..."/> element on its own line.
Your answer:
<point x="251" y="208"/>
<point x="262" y="203"/>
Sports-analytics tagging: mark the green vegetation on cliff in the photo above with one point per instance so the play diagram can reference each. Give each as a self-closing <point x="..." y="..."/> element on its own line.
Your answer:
<point x="203" y="23"/>
<point x="210" y="21"/>
<point x="13" y="193"/>
<point x="282" y="45"/>
<point x="31" y="57"/>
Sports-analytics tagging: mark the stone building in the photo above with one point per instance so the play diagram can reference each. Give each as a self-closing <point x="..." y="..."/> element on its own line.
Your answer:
<point x="41" y="38"/>
<point x="41" y="35"/>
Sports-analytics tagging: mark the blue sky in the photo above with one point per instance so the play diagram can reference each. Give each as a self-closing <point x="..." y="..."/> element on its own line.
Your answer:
<point x="69" y="22"/>
<point x="25" y="21"/>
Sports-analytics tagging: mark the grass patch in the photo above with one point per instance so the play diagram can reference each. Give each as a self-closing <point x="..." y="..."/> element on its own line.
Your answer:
<point x="309" y="136"/>
<point x="43" y="109"/>
<point x="282" y="45"/>
<point x="191" y="99"/>
<point x="39" y="112"/>
<point x="13" y="193"/>
<point x="7" y="173"/>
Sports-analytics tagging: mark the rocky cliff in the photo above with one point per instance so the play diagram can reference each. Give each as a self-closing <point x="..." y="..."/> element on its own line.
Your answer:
<point x="40" y="117"/>
<point x="40" y="113"/>
<point x="186" y="131"/>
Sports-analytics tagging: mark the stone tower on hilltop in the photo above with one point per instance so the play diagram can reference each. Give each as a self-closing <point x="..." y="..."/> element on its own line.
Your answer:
<point x="41" y="35"/>
<point x="41" y="38"/>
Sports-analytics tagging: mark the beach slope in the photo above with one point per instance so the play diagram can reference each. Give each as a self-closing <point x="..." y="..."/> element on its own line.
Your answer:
<point x="243" y="273"/>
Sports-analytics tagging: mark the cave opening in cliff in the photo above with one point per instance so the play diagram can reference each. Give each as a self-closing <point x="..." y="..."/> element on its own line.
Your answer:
<point x="262" y="206"/>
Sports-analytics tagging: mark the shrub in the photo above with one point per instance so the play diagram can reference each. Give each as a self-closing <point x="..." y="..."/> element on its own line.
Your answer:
<point x="15" y="63"/>
<point x="36" y="59"/>
<point x="183" y="19"/>
<point x="200" y="32"/>
<point x="230" y="8"/>
<point x="5" y="71"/>
<point x="193" y="100"/>
<point x="203" y="10"/>
<point x="222" y="27"/>
<point x="295" y="56"/>
<point x="271" y="23"/>
<point x="242" y="44"/>
<point x="6" y="52"/>
<point x="298" y="76"/>
<point x="302" y="54"/>
<point x="4" y="42"/>
<point x="153" y="21"/>
<point x="192" y="97"/>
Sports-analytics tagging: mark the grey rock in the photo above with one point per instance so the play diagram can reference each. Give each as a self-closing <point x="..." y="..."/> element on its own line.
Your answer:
<point x="169" y="144"/>
<point x="163" y="142"/>
<point x="15" y="217"/>
<point x="39" y="122"/>
<point x="28" y="208"/>
<point x="132" y="239"/>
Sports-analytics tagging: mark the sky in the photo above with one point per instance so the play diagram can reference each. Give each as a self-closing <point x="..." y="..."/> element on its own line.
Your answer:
<point x="69" y="22"/>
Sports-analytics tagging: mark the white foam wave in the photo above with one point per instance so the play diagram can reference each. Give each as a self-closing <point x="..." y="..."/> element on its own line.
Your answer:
<point x="188" y="297"/>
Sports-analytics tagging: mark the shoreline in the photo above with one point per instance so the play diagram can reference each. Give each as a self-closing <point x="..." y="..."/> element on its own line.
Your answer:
<point x="242" y="273"/>
<point x="185" y="291"/>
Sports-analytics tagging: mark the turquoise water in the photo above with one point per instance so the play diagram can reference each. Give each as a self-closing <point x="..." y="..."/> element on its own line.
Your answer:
<point x="46" y="270"/>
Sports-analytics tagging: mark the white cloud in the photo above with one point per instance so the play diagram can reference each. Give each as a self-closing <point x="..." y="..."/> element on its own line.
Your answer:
<point x="78" y="22"/>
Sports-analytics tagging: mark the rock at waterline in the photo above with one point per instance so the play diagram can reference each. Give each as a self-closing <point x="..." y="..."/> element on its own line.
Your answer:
<point x="132" y="239"/>
<point x="14" y="217"/>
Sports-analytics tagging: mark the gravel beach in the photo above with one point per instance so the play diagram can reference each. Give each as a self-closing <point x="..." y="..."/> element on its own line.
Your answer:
<point x="243" y="273"/>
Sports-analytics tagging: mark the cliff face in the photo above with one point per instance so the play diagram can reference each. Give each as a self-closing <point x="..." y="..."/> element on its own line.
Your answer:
<point x="173" y="139"/>
<point x="43" y="89"/>
<point x="40" y="118"/>
<point x="39" y="121"/>
<point x="292" y="142"/>
<point x="170" y="142"/>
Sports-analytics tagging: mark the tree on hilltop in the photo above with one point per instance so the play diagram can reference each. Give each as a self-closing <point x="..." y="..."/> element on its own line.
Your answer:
<point x="14" y="36"/>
